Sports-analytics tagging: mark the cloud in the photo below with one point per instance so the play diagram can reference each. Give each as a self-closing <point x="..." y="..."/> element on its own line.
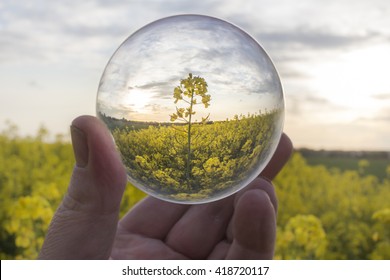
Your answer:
<point x="151" y="85"/>
<point x="117" y="111"/>
<point x="44" y="41"/>
<point x="35" y="84"/>
<point x="91" y="30"/>
<point x="382" y="115"/>
<point x="159" y="89"/>
<point x="301" y="37"/>
<point x="157" y="108"/>
<point x="381" y="96"/>
<point x="155" y="60"/>
<point x="305" y="104"/>
<point x="75" y="30"/>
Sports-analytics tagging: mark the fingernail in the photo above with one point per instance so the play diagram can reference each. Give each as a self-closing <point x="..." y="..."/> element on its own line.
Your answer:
<point x="80" y="146"/>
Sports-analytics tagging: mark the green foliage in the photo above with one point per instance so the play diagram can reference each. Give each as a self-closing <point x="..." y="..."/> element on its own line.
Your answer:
<point x="222" y="154"/>
<point x="351" y="208"/>
<point x="381" y="235"/>
<point x="303" y="237"/>
<point x="187" y="92"/>
<point x="323" y="213"/>
<point x="368" y="163"/>
<point x="34" y="176"/>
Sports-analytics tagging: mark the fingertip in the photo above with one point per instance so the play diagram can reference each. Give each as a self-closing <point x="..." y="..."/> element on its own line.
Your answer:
<point x="254" y="226"/>
<point x="80" y="146"/>
<point x="94" y="128"/>
<point x="103" y="157"/>
<point x="280" y="157"/>
<point x="99" y="177"/>
<point x="255" y="204"/>
<point x="264" y="184"/>
<point x="286" y="145"/>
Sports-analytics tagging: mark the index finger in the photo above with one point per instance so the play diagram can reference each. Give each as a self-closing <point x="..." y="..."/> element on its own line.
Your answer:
<point x="279" y="159"/>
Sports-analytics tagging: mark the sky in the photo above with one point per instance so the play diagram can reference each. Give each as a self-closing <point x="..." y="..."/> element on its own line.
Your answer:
<point x="333" y="58"/>
<point x="139" y="81"/>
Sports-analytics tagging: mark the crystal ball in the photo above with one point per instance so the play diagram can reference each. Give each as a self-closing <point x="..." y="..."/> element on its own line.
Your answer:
<point x="195" y="106"/>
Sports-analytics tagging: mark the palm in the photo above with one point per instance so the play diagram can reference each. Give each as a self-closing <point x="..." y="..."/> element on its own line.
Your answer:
<point x="160" y="230"/>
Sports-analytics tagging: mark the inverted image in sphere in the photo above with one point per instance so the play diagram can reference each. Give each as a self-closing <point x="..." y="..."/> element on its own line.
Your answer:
<point x="195" y="106"/>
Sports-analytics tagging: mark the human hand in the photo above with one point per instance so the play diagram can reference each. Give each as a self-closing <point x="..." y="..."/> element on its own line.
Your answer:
<point x="85" y="226"/>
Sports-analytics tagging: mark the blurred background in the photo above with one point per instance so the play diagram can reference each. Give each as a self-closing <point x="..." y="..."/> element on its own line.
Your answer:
<point x="333" y="58"/>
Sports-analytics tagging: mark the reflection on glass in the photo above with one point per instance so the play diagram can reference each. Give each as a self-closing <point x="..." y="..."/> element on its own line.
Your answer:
<point x="195" y="106"/>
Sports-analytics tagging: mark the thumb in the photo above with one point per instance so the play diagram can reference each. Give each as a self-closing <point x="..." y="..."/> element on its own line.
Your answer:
<point x="84" y="225"/>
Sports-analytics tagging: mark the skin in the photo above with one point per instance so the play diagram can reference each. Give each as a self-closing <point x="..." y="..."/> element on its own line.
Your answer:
<point x="86" y="226"/>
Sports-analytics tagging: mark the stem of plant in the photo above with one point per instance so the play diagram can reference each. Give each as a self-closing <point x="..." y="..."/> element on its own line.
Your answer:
<point x="188" y="174"/>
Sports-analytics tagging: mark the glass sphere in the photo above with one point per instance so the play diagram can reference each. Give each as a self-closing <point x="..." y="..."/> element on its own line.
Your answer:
<point x="195" y="106"/>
